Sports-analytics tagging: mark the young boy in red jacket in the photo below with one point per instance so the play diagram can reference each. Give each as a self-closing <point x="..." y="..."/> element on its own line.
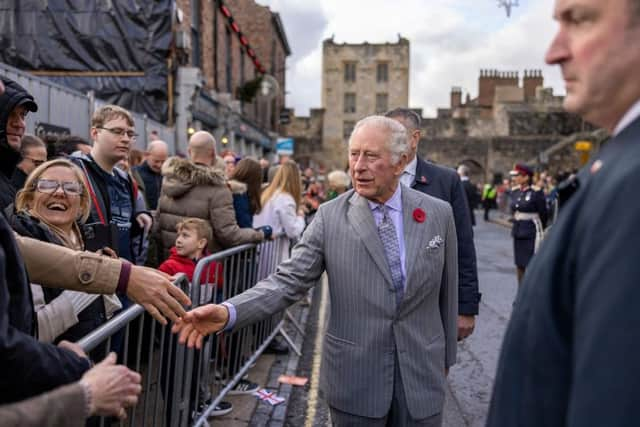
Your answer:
<point x="194" y="235"/>
<point x="192" y="240"/>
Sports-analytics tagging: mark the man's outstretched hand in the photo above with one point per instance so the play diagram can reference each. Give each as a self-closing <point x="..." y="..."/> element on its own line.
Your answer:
<point x="200" y="322"/>
<point x="154" y="290"/>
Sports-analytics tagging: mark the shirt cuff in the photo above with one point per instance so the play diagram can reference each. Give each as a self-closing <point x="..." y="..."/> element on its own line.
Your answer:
<point x="232" y="317"/>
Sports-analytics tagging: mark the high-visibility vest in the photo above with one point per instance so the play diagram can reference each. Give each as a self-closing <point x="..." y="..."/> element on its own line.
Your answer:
<point x="489" y="192"/>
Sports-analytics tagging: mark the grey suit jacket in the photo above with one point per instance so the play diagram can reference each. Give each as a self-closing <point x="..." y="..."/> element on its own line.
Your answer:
<point x="365" y="328"/>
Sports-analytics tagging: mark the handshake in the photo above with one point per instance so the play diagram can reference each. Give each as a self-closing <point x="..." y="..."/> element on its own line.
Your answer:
<point x="200" y="322"/>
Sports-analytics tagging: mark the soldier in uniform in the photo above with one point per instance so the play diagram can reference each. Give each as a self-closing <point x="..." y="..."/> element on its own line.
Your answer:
<point x="529" y="209"/>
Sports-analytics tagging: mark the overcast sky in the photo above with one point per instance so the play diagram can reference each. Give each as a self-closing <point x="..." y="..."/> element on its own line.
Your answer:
<point x="451" y="40"/>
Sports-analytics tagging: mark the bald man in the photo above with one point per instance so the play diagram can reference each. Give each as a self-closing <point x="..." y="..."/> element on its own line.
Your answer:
<point x="148" y="175"/>
<point x="194" y="188"/>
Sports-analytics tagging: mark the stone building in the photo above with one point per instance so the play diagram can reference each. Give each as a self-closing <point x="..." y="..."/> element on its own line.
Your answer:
<point x="507" y="122"/>
<point x="230" y="80"/>
<point x="359" y="80"/>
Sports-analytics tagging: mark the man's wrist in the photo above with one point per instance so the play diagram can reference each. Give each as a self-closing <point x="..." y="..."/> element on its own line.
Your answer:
<point x="88" y="398"/>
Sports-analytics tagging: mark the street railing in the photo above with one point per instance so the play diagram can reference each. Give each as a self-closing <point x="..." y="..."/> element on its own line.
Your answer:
<point x="148" y="347"/>
<point x="225" y="358"/>
<point x="181" y="386"/>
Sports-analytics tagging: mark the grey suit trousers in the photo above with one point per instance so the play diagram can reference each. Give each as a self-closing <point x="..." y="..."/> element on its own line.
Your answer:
<point x="398" y="415"/>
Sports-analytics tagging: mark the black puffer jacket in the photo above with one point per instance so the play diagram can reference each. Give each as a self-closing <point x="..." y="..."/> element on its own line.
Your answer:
<point x="14" y="95"/>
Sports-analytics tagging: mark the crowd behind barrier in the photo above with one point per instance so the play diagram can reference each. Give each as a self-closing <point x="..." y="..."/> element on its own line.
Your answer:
<point x="181" y="387"/>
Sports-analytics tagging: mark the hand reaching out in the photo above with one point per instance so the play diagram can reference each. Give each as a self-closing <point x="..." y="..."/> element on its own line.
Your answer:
<point x="200" y="322"/>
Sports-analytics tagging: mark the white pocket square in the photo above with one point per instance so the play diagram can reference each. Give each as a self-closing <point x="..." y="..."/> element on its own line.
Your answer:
<point x="435" y="243"/>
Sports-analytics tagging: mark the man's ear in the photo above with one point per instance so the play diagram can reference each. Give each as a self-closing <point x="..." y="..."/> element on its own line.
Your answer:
<point x="93" y="133"/>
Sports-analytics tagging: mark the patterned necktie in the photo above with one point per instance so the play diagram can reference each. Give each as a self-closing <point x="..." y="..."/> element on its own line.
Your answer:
<point x="387" y="233"/>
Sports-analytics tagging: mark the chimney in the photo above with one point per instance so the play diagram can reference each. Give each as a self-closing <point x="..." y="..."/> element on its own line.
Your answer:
<point x="456" y="97"/>
<point x="532" y="80"/>
<point x="487" y="87"/>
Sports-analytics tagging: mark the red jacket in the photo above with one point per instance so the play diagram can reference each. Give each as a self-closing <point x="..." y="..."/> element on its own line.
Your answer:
<point x="179" y="264"/>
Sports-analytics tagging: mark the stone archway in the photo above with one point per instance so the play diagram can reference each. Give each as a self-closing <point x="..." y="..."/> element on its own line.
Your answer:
<point x="477" y="172"/>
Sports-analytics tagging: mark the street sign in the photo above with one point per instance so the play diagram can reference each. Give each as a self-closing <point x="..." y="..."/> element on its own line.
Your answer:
<point x="284" y="146"/>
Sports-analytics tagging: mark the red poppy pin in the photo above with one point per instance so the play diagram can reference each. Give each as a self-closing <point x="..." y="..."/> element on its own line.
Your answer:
<point x="419" y="215"/>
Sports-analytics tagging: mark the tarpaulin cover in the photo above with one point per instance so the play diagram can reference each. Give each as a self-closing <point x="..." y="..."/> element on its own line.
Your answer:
<point x="94" y="35"/>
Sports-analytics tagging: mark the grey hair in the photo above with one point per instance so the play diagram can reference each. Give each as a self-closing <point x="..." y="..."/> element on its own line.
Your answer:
<point x="339" y="178"/>
<point x="398" y="143"/>
<point x="408" y="116"/>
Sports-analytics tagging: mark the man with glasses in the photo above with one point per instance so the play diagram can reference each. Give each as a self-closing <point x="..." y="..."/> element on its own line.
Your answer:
<point x="112" y="191"/>
<point x="34" y="153"/>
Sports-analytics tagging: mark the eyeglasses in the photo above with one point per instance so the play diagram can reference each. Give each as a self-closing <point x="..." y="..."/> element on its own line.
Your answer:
<point x="120" y="132"/>
<point x="36" y="162"/>
<point x="49" y="186"/>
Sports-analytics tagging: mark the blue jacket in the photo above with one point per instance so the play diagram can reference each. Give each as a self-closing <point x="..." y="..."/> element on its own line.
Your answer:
<point x="444" y="184"/>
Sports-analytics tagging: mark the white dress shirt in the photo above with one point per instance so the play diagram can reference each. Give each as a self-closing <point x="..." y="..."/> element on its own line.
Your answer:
<point x="628" y="118"/>
<point x="409" y="174"/>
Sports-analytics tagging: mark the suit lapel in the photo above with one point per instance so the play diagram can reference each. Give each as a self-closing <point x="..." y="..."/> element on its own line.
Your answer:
<point x="421" y="177"/>
<point x="414" y="231"/>
<point x="361" y="219"/>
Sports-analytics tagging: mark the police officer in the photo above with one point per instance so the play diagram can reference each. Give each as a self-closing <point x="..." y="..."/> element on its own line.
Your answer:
<point x="529" y="210"/>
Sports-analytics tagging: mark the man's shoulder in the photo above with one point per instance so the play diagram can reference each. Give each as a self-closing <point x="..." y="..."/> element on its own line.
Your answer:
<point x="434" y="171"/>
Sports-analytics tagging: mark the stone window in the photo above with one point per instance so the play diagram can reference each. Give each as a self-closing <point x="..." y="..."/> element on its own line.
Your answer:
<point x="382" y="74"/>
<point x="349" y="102"/>
<point x="347" y="128"/>
<point x="382" y="102"/>
<point x="349" y="71"/>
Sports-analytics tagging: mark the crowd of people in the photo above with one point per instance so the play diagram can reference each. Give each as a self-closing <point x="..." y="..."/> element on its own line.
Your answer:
<point x="81" y="218"/>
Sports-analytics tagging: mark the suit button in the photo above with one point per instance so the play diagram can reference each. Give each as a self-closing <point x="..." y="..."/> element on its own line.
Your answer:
<point x="85" y="276"/>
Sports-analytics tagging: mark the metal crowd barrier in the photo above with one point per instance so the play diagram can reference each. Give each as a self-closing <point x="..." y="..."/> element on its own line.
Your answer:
<point x="211" y="373"/>
<point x="182" y="386"/>
<point x="147" y="347"/>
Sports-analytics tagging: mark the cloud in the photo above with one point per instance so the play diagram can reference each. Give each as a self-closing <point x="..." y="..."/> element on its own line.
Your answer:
<point x="451" y="40"/>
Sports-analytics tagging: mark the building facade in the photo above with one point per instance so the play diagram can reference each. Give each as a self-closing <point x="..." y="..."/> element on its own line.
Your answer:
<point x="359" y="80"/>
<point x="231" y="73"/>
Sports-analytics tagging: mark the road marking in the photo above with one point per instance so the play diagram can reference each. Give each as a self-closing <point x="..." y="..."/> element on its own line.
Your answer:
<point x="312" y="399"/>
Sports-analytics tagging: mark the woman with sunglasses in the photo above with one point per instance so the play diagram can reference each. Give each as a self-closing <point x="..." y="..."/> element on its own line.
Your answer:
<point x="48" y="208"/>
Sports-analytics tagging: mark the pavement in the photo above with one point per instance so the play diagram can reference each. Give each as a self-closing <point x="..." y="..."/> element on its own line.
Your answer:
<point x="470" y="380"/>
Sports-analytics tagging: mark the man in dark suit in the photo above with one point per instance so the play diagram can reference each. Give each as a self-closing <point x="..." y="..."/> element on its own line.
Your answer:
<point x="570" y="353"/>
<point x="444" y="184"/>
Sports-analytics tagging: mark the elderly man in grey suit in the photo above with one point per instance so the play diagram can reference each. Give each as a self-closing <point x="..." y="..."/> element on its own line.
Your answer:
<point x="390" y="253"/>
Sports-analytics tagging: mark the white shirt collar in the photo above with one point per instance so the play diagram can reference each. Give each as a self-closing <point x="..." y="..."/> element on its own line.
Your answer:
<point x="411" y="166"/>
<point x="395" y="202"/>
<point x="632" y="114"/>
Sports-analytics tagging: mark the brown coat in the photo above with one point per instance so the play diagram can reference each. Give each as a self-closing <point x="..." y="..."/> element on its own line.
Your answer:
<point x="59" y="267"/>
<point x="198" y="191"/>
<point x="63" y="407"/>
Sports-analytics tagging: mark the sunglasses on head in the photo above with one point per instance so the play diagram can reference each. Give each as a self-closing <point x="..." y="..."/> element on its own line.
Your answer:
<point x="50" y="186"/>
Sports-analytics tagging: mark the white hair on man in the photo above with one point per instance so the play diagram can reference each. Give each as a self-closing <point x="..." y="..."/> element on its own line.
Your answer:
<point x="398" y="143"/>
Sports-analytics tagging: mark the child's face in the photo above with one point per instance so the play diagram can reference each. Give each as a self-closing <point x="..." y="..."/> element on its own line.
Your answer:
<point x="188" y="244"/>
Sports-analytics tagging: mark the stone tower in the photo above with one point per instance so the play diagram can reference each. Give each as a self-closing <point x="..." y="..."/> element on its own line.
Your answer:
<point x="359" y="80"/>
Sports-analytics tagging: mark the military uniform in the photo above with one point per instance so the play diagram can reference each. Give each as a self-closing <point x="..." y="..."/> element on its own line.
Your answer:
<point x="529" y="209"/>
